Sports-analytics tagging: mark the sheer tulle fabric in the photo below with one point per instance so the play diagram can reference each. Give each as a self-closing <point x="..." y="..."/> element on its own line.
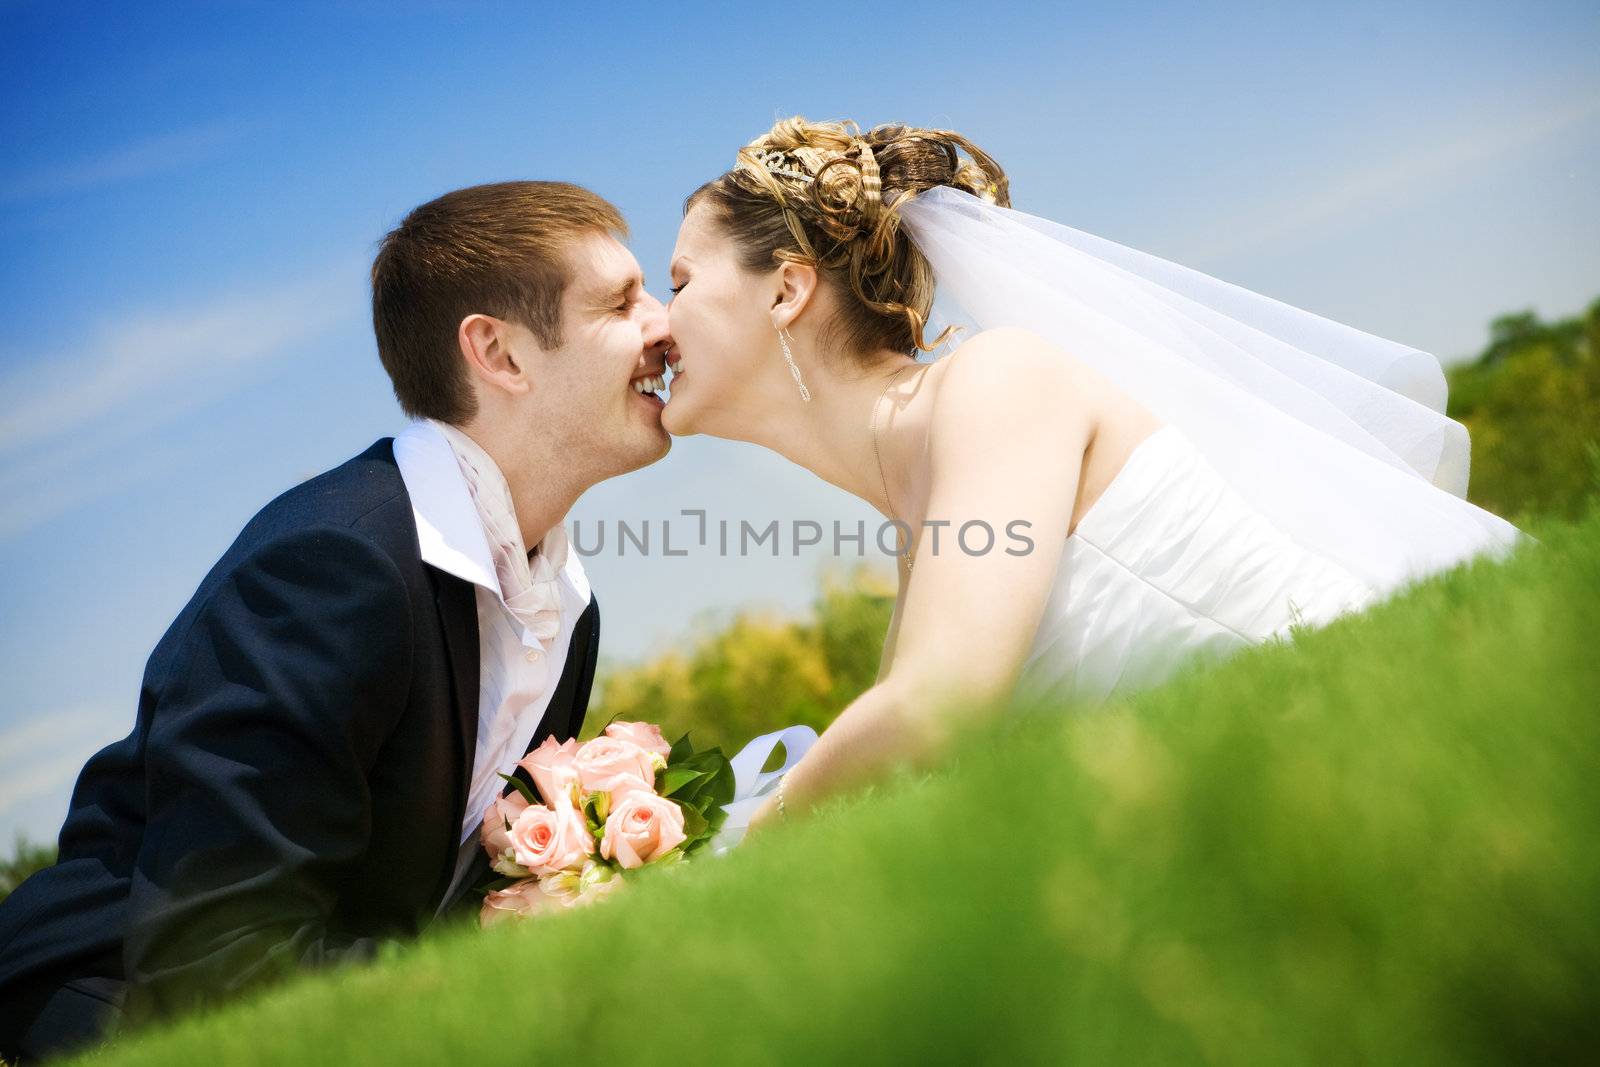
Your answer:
<point x="1336" y="436"/>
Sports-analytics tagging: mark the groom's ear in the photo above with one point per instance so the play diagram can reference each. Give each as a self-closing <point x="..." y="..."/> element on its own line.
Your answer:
<point x="491" y="358"/>
<point x="794" y="285"/>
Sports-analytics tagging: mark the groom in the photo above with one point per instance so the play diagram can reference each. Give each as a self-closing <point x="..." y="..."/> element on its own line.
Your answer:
<point x="320" y="730"/>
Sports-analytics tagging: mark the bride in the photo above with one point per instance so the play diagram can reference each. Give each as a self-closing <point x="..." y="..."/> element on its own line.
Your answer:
<point x="1125" y="466"/>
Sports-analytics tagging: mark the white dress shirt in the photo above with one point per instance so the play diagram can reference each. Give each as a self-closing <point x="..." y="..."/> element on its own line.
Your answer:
<point x="517" y="668"/>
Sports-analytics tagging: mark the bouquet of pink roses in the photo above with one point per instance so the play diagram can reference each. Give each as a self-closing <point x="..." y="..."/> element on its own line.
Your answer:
<point x="604" y="810"/>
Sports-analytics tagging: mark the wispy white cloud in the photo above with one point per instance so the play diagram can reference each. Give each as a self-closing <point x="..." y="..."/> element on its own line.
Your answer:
<point x="34" y="497"/>
<point x="1391" y="181"/>
<point x="48" y="728"/>
<point x="161" y="154"/>
<point x="44" y="754"/>
<point x="122" y="361"/>
<point x="68" y="410"/>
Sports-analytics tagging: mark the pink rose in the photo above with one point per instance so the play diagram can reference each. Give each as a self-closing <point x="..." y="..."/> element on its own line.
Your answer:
<point x="552" y="769"/>
<point x="548" y="840"/>
<point x="644" y="734"/>
<point x="610" y="764"/>
<point x="642" y="827"/>
<point x="495" y="835"/>
<point x="515" y="901"/>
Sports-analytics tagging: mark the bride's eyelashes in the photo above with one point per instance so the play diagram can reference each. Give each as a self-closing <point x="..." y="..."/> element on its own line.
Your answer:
<point x="676" y="289"/>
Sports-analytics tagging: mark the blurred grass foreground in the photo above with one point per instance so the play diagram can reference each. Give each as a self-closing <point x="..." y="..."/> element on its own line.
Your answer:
<point x="1375" y="843"/>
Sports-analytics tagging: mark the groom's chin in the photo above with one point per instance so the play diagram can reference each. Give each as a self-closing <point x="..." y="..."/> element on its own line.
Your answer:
<point x="642" y="458"/>
<point x="659" y="452"/>
<point x="662" y="446"/>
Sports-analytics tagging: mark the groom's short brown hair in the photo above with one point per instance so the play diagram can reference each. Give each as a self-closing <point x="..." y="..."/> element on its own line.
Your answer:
<point x="494" y="249"/>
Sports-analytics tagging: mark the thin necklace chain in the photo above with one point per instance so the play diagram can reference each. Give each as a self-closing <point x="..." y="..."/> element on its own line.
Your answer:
<point x="906" y="555"/>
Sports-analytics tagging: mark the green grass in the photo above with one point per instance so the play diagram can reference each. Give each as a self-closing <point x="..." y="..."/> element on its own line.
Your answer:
<point x="1377" y="843"/>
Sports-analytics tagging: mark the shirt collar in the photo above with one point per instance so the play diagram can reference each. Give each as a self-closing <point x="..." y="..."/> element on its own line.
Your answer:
<point x="449" y="533"/>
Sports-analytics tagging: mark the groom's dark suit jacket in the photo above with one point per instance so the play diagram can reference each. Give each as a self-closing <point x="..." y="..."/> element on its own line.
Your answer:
<point x="294" y="787"/>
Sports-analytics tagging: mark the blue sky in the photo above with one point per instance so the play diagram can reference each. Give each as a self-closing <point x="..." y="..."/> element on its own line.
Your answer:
<point x="190" y="197"/>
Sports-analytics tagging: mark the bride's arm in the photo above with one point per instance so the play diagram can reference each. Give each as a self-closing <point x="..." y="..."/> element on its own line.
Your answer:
<point x="886" y="657"/>
<point x="1006" y="440"/>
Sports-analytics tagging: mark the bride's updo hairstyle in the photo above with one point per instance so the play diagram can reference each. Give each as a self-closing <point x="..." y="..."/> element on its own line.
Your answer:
<point x="828" y="195"/>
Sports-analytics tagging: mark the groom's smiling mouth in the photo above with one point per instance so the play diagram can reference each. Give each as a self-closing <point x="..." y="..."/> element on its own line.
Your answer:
<point x="649" y="384"/>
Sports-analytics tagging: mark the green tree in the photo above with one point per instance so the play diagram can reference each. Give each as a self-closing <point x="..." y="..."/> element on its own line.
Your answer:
<point x="760" y="672"/>
<point x="25" y="858"/>
<point x="1531" y="401"/>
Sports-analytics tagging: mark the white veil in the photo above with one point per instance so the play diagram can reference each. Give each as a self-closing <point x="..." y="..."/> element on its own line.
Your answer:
<point x="1337" y="436"/>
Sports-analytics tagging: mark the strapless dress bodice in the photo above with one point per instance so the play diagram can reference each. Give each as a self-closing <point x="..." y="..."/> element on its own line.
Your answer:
<point x="1171" y="565"/>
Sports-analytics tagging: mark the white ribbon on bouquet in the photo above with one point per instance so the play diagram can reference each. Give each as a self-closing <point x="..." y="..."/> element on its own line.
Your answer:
<point x="752" y="785"/>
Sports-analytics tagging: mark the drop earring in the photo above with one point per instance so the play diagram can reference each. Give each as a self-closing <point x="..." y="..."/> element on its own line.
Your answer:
<point x="788" y="356"/>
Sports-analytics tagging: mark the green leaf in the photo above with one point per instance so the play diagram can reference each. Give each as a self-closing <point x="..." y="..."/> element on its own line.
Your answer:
<point x="718" y="787"/>
<point x="522" y="787"/>
<point x="675" y="778"/>
<point x="694" y="824"/>
<point x="706" y="759"/>
<point x="689" y="795"/>
<point x="724" y="782"/>
<point x="693" y="846"/>
<point x="698" y="764"/>
<point x="714" y="788"/>
<point x="681" y="750"/>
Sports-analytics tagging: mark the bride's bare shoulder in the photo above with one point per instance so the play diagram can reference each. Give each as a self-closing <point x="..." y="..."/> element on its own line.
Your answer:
<point x="1007" y="362"/>
<point x="1006" y="351"/>
<point x="1005" y="373"/>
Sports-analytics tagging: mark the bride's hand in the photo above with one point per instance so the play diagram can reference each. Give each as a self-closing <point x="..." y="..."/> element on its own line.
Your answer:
<point x="767" y="811"/>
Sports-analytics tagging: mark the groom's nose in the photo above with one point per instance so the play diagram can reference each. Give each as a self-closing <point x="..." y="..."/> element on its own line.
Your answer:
<point x="654" y="323"/>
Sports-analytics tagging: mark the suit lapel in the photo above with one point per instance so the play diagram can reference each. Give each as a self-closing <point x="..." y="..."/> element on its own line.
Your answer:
<point x="582" y="668"/>
<point x="458" y="618"/>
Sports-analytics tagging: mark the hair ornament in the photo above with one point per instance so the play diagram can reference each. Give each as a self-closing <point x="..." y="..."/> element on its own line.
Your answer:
<point x="775" y="163"/>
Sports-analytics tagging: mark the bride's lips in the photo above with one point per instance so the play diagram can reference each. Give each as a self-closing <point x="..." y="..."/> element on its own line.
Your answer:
<point x="674" y="364"/>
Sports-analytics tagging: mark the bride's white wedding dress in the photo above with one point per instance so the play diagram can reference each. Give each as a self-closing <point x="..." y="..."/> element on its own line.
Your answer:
<point x="1168" y="566"/>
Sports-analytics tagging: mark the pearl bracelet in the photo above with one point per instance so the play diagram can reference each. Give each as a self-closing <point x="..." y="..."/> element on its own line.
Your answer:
<point x="781" y="780"/>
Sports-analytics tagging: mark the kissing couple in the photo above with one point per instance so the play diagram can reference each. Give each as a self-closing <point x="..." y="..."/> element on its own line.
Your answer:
<point x="321" y="730"/>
